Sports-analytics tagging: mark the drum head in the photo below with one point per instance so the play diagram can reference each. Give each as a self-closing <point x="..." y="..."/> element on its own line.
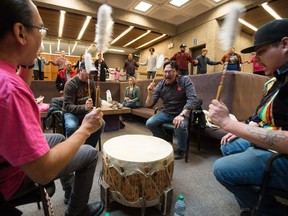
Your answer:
<point x="137" y="148"/>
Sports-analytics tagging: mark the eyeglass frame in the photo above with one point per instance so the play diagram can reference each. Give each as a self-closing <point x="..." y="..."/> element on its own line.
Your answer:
<point x="169" y="71"/>
<point x="43" y="30"/>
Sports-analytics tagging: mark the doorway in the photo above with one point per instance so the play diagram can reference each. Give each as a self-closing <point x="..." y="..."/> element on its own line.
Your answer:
<point x="195" y="51"/>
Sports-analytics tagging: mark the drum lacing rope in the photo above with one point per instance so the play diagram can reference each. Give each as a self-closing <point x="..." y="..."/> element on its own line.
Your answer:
<point x="48" y="201"/>
<point x="100" y="179"/>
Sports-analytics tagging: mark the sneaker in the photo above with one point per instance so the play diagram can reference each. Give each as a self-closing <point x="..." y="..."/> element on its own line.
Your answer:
<point x="93" y="209"/>
<point x="246" y="213"/>
<point x="178" y="154"/>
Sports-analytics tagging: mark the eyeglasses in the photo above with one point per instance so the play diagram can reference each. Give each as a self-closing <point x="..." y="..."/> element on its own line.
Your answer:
<point x="43" y="31"/>
<point x="168" y="71"/>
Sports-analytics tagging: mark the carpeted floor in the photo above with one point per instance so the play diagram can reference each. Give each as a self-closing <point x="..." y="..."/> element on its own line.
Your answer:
<point x="204" y="196"/>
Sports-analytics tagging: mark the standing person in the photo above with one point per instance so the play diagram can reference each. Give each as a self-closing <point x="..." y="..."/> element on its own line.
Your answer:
<point x="183" y="58"/>
<point x="247" y="166"/>
<point x="104" y="69"/>
<point x="232" y="61"/>
<point x="77" y="103"/>
<point x="33" y="156"/>
<point x="39" y="63"/>
<point x="132" y="94"/>
<point x="63" y="76"/>
<point x="60" y="61"/>
<point x="77" y="65"/>
<point x="179" y="98"/>
<point x="203" y="60"/>
<point x="151" y="63"/>
<point x="257" y="68"/>
<point x="130" y="66"/>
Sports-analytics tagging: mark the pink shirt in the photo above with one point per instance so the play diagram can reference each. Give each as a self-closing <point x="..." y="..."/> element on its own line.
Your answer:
<point x="21" y="136"/>
<point x="256" y="66"/>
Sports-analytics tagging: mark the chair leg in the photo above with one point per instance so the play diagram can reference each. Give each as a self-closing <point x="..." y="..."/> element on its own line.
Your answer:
<point x="38" y="205"/>
<point x="198" y="137"/>
<point x="187" y="149"/>
<point x="100" y="147"/>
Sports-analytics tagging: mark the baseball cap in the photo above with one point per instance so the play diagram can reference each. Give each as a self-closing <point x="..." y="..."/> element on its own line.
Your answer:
<point x="182" y="45"/>
<point x="92" y="66"/>
<point x="269" y="33"/>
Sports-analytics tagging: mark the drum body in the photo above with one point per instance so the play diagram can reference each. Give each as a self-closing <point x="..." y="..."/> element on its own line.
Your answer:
<point x="137" y="168"/>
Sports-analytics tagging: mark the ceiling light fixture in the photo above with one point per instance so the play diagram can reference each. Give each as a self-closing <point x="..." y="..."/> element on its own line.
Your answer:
<point x="61" y="23"/>
<point x="247" y="24"/>
<point x="116" y="50"/>
<point x="88" y="18"/>
<point x="143" y="6"/>
<point x="58" y="45"/>
<point x="155" y="39"/>
<point x="74" y="47"/>
<point x="122" y="34"/>
<point x="178" y="3"/>
<point x="270" y="10"/>
<point x="143" y="35"/>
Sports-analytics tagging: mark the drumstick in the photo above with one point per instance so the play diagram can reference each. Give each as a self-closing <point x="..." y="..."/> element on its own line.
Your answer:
<point x="227" y="35"/>
<point x="98" y="104"/>
<point x="89" y="91"/>
<point x="220" y="87"/>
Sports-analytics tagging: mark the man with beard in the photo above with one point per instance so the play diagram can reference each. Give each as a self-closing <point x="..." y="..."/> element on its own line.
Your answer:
<point x="183" y="58"/>
<point x="179" y="98"/>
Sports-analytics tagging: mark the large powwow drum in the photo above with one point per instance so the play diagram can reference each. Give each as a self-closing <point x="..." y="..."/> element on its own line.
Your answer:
<point x="137" y="168"/>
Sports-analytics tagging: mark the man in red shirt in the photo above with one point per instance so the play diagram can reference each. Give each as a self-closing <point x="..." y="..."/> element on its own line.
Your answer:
<point x="183" y="58"/>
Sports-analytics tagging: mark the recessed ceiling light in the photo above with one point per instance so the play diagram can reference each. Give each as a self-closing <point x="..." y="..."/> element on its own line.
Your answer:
<point x="270" y="10"/>
<point x="216" y="1"/>
<point x="247" y="24"/>
<point x="178" y="3"/>
<point x="143" y="6"/>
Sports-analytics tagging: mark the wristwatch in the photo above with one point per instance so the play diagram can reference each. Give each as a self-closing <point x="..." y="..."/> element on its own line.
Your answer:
<point x="27" y="66"/>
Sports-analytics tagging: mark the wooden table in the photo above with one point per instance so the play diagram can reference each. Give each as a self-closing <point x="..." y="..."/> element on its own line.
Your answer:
<point x="111" y="117"/>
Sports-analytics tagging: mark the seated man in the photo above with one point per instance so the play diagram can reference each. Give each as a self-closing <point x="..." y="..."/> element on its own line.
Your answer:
<point x="78" y="102"/>
<point x="56" y="103"/>
<point x="63" y="76"/>
<point x="247" y="166"/>
<point x="34" y="158"/>
<point x="179" y="98"/>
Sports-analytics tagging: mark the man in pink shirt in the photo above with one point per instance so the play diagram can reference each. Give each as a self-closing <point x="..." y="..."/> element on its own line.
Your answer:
<point x="29" y="155"/>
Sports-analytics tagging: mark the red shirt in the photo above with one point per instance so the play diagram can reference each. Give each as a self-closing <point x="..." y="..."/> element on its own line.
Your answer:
<point x="182" y="59"/>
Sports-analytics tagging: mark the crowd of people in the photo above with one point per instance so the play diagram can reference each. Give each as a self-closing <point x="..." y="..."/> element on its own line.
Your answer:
<point x="72" y="157"/>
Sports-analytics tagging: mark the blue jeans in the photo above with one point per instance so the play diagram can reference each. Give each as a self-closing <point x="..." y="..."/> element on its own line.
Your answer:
<point x="235" y="146"/>
<point x="238" y="171"/>
<point x="131" y="105"/>
<point x="72" y="122"/>
<point x="154" y="125"/>
<point x="83" y="164"/>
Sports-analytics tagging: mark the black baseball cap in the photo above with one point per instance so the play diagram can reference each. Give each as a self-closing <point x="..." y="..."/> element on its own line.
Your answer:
<point x="269" y="33"/>
<point x="182" y="45"/>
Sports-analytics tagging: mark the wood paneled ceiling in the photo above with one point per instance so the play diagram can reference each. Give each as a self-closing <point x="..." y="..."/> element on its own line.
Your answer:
<point x="255" y="15"/>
